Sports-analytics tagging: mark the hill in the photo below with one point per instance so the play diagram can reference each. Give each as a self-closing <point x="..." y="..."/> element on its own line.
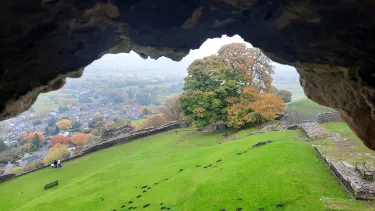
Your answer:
<point x="187" y="170"/>
<point x="308" y="107"/>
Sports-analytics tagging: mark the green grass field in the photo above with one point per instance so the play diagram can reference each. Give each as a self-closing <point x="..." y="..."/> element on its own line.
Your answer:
<point x="308" y="107"/>
<point x="349" y="147"/>
<point x="295" y="89"/>
<point x="44" y="102"/>
<point x="286" y="172"/>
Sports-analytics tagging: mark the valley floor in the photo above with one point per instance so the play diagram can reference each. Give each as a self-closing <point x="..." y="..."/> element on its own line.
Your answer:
<point x="187" y="170"/>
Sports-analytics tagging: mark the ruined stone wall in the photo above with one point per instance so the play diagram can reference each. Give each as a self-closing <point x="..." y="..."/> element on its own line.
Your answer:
<point x="355" y="186"/>
<point x="329" y="117"/>
<point x="314" y="130"/>
<point x="124" y="138"/>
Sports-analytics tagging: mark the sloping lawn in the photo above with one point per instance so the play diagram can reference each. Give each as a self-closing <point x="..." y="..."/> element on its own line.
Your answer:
<point x="348" y="147"/>
<point x="308" y="107"/>
<point x="286" y="172"/>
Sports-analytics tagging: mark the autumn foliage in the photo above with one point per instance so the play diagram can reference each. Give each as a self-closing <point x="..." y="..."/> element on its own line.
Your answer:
<point x="79" y="139"/>
<point x="268" y="106"/>
<point x="57" y="152"/>
<point x="232" y="87"/>
<point x="29" y="135"/>
<point x="253" y="107"/>
<point x="154" y="121"/>
<point x="145" y="110"/>
<point x="64" y="124"/>
<point x="59" y="139"/>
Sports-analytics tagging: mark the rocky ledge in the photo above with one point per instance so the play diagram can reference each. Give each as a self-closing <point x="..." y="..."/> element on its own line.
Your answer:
<point x="330" y="43"/>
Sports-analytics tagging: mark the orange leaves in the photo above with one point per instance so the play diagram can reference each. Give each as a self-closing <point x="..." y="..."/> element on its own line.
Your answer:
<point x="79" y="139"/>
<point x="253" y="107"/>
<point x="199" y="111"/>
<point x="29" y="135"/>
<point x="268" y="105"/>
<point x="64" y="124"/>
<point x="58" y="139"/>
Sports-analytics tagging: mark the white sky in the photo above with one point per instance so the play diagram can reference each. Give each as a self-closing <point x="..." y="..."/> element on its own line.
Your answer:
<point x="133" y="62"/>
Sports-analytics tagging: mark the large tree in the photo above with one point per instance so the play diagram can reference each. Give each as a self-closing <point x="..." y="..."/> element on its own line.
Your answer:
<point x="225" y="85"/>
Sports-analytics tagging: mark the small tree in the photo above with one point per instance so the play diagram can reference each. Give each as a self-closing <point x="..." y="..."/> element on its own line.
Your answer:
<point x="58" y="139"/>
<point x="58" y="152"/>
<point x="145" y="110"/>
<point x="3" y="146"/>
<point x="35" y="141"/>
<point x="64" y="124"/>
<point x="76" y="125"/>
<point x="171" y="108"/>
<point x="285" y="95"/>
<point x="154" y="121"/>
<point x="79" y="139"/>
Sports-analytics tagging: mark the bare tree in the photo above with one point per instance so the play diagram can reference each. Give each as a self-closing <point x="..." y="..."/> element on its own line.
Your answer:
<point x="154" y="121"/>
<point x="170" y="109"/>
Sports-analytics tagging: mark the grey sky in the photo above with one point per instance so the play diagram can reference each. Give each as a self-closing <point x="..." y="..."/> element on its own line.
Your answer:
<point x="132" y="61"/>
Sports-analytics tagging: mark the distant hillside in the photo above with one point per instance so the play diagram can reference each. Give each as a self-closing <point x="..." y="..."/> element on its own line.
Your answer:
<point x="308" y="107"/>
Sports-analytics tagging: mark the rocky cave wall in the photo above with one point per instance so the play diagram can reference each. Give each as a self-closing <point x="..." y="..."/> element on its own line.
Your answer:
<point x="330" y="42"/>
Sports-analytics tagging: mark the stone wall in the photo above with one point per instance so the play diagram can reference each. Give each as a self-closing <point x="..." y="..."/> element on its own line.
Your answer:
<point x="329" y="117"/>
<point x="349" y="179"/>
<point x="314" y="130"/>
<point x="123" y="138"/>
<point x="113" y="132"/>
<point x="6" y="177"/>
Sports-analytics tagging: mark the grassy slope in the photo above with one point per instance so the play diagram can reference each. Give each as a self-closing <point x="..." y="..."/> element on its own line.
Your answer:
<point x="352" y="149"/>
<point x="308" y="107"/>
<point x="286" y="171"/>
<point x="295" y="89"/>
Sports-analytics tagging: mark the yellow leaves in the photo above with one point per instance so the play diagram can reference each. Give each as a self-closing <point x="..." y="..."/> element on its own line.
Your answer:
<point x="253" y="107"/>
<point x="268" y="105"/>
<point x="79" y="139"/>
<point x="64" y="124"/>
<point x="57" y="152"/>
<point x="199" y="111"/>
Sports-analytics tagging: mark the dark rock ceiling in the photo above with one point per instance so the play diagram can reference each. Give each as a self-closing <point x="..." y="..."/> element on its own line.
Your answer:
<point x="330" y="42"/>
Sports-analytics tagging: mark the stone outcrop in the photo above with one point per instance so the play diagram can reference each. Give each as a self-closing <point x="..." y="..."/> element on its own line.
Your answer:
<point x="329" y="117"/>
<point x="330" y="43"/>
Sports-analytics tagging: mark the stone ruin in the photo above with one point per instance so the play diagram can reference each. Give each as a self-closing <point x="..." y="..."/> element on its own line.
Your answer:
<point x="352" y="182"/>
<point x="314" y="130"/>
<point x="329" y="117"/>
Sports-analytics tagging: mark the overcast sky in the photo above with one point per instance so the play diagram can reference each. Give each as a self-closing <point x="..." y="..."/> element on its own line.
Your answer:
<point x="132" y="61"/>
